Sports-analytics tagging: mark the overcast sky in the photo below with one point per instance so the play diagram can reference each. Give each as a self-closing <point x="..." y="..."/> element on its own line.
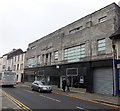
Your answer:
<point x="24" y="21"/>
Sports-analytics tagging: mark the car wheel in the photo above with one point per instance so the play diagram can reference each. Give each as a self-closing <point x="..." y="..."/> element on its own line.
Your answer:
<point x="39" y="90"/>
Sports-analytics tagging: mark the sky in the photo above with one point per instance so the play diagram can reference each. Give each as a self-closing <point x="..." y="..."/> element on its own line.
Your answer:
<point x="24" y="21"/>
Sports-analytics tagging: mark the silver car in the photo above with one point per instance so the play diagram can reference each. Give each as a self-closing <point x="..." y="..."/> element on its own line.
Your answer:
<point x="41" y="86"/>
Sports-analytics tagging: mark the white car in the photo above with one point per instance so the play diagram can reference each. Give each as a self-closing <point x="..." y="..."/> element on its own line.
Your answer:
<point x="41" y="86"/>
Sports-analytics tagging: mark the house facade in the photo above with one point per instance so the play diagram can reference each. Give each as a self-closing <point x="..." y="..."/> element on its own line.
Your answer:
<point x="80" y="51"/>
<point x="3" y="62"/>
<point x="115" y="37"/>
<point x="18" y="66"/>
<point x="13" y="61"/>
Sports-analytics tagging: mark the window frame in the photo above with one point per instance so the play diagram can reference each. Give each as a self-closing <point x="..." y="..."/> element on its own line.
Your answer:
<point x="101" y="45"/>
<point x="56" y="54"/>
<point x="75" y="53"/>
<point x="39" y="59"/>
<point x="31" y="62"/>
<point x="102" y="19"/>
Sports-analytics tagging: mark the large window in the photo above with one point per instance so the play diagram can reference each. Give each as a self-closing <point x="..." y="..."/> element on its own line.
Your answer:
<point x="39" y="61"/>
<point x="21" y="66"/>
<point x="17" y="66"/>
<point x="14" y="67"/>
<point x="74" y="54"/>
<point x="18" y="57"/>
<point x="22" y="57"/>
<point x="101" y="45"/>
<point x="31" y="62"/>
<point x="15" y="58"/>
<point x="56" y="55"/>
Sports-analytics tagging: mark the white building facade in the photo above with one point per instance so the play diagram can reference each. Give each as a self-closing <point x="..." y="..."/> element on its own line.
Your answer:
<point x="14" y="61"/>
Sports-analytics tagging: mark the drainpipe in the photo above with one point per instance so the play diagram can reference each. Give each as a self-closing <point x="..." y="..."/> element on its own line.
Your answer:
<point x="114" y="69"/>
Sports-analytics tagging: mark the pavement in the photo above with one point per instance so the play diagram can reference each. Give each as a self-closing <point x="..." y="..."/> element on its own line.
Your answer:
<point x="6" y="103"/>
<point x="81" y="93"/>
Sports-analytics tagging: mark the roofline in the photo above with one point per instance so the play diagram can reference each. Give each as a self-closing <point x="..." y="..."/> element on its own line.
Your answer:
<point x="115" y="37"/>
<point x="73" y="22"/>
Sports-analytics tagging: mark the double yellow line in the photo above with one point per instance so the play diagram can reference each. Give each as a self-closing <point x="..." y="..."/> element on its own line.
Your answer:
<point x="56" y="92"/>
<point x="107" y="104"/>
<point x="16" y="101"/>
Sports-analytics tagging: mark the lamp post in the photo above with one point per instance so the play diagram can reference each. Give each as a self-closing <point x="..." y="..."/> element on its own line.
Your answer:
<point x="57" y="67"/>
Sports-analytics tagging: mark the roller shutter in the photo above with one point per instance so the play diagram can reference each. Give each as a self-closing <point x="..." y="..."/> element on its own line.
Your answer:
<point x="103" y="80"/>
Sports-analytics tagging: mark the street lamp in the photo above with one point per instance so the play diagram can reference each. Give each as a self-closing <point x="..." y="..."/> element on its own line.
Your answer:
<point x="57" y="66"/>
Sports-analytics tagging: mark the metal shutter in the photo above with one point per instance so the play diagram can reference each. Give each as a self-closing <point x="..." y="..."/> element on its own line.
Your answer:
<point x="103" y="80"/>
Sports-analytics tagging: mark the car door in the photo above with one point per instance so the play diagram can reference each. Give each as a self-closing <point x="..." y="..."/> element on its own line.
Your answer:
<point x="35" y="85"/>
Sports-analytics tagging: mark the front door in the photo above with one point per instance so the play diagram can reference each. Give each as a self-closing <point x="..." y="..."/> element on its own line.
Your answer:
<point x="61" y="79"/>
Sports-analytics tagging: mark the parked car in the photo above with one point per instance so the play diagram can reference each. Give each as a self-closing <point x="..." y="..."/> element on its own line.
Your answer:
<point x="41" y="86"/>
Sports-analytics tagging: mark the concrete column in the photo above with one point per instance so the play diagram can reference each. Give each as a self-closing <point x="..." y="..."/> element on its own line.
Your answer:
<point x="44" y="59"/>
<point x="49" y="58"/>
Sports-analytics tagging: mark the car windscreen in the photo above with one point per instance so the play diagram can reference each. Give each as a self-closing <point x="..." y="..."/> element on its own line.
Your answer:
<point x="42" y="83"/>
<point x="9" y="73"/>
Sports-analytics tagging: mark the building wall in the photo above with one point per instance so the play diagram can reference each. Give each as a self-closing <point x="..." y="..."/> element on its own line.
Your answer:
<point x="91" y="32"/>
<point x="14" y="61"/>
<point x="118" y="48"/>
<point x="3" y="63"/>
<point x="95" y="27"/>
<point x="9" y="64"/>
<point x="18" y="65"/>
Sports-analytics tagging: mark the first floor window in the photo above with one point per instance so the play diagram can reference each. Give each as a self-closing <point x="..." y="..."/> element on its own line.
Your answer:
<point x="21" y="66"/>
<point x="56" y="55"/>
<point x="31" y="62"/>
<point x="101" y="45"/>
<point x="74" y="54"/>
<point x="14" y="67"/>
<point x="39" y="61"/>
<point x="17" y="66"/>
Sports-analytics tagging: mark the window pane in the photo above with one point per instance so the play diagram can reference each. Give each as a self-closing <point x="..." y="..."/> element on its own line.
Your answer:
<point x="101" y="49"/>
<point x="39" y="59"/>
<point x="101" y="45"/>
<point x="56" y="55"/>
<point x="102" y="19"/>
<point x="31" y="62"/>
<point x="74" y="54"/>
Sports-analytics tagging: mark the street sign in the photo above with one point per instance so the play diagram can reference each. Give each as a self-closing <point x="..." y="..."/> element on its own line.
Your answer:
<point x="72" y="71"/>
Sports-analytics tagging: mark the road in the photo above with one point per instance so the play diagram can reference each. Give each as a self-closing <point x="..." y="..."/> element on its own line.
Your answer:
<point x="35" y="100"/>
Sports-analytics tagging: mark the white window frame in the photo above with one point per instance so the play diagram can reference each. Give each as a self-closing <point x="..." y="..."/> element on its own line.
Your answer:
<point x="101" y="45"/>
<point x="56" y="55"/>
<point x="102" y="19"/>
<point x="31" y="62"/>
<point x="39" y="59"/>
<point x="75" y="53"/>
